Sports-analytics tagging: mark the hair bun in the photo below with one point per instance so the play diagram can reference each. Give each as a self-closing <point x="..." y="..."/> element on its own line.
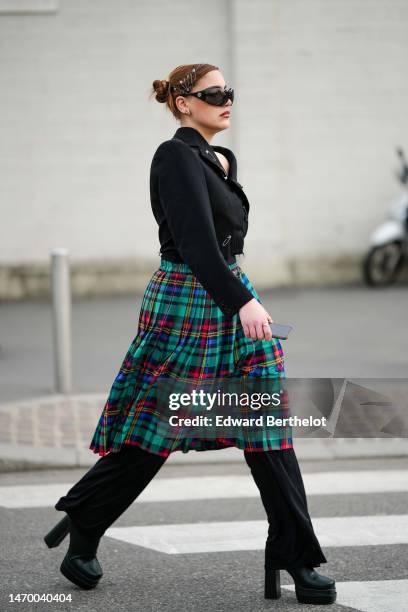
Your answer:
<point x="161" y="87"/>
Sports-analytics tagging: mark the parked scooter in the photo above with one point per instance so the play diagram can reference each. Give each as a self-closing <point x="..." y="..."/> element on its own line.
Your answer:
<point x="388" y="251"/>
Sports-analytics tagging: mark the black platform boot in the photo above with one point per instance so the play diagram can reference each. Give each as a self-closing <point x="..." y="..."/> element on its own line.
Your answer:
<point x="80" y="564"/>
<point x="310" y="586"/>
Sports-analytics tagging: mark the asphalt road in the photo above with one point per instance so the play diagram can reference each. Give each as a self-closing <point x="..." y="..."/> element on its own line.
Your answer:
<point x="141" y="578"/>
<point x="351" y="332"/>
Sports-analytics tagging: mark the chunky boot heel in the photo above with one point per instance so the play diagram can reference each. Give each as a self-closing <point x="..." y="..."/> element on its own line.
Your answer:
<point x="272" y="584"/>
<point x="311" y="587"/>
<point x="57" y="533"/>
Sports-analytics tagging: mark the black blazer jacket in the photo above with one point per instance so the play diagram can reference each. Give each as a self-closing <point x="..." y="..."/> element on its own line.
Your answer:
<point x="202" y="213"/>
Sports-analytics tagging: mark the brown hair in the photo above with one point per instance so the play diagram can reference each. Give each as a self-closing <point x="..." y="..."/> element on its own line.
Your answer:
<point x="164" y="88"/>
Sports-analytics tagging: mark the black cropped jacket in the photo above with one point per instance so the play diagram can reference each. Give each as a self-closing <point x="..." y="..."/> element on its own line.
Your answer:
<point x="202" y="213"/>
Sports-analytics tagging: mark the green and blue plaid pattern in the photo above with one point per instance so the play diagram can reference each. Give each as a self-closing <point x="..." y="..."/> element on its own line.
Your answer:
<point x="182" y="333"/>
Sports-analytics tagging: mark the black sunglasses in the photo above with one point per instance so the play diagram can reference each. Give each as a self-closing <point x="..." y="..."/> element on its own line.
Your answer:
<point x="213" y="95"/>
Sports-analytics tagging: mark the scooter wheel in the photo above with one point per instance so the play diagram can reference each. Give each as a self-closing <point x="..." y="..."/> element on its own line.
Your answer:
<point x="382" y="264"/>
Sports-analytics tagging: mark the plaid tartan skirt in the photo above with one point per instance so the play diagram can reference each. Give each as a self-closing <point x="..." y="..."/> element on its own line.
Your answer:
<point x="182" y="333"/>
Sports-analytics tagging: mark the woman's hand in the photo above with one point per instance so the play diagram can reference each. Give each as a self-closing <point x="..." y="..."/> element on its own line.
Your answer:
<point x="255" y="320"/>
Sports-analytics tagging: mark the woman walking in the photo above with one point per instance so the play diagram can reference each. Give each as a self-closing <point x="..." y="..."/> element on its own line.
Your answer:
<point x="200" y="319"/>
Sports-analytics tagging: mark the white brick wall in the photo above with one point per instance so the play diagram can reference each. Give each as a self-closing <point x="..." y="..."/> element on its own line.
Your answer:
<point x="320" y="104"/>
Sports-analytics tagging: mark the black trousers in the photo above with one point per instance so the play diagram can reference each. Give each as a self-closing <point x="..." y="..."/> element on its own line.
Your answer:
<point x="116" y="480"/>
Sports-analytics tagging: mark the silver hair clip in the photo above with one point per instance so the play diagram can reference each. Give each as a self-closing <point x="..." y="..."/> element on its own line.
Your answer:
<point x="187" y="83"/>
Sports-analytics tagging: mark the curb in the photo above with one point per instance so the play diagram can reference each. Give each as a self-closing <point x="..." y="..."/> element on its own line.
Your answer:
<point x="24" y="458"/>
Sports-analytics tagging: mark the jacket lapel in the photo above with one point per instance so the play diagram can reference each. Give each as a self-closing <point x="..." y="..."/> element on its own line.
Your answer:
<point x="210" y="157"/>
<point x="193" y="137"/>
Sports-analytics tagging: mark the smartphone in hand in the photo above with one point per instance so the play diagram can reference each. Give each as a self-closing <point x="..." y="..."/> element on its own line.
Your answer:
<point x="280" y="330"/>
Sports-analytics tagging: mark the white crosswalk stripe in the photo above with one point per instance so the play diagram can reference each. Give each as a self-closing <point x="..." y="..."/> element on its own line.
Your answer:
<point x="218" y="487"/>
<point x="250" y="535"/>
<point x="371" y="596"/>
